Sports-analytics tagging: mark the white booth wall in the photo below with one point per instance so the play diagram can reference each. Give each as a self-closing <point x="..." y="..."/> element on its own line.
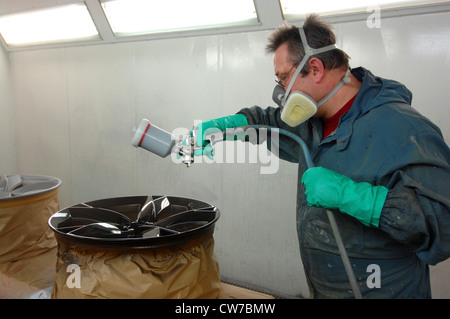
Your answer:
<point x="69" y="113"/>
<point x="8" y="153"/>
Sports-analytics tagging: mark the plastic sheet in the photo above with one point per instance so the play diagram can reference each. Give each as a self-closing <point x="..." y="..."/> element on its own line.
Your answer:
<point x="189" y="270"/>
<point x="27" y="245"/>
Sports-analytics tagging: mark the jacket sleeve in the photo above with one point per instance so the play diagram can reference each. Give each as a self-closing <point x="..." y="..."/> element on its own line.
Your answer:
<point x="417" y="208"/>
<point x="287" y="149"/>
<point x="259" y="116"/>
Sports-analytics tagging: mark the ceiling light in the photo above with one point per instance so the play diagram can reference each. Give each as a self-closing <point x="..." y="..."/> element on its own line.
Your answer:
<point x="70" y="22"/>
<point x="295" y="8"/>
<point x="131" y="17"/>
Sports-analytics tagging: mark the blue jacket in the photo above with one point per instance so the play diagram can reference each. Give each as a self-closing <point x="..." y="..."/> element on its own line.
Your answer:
<point x="384" y="141"/>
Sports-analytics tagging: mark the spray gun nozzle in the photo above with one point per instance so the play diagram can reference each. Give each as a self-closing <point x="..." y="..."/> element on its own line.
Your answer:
<point x="187" y="145"/>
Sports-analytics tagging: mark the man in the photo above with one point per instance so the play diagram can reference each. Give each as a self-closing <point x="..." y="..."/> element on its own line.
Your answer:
<point x="380" y="166"/>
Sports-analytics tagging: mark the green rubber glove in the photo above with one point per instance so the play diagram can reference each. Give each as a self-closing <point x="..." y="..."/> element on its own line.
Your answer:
<point x="328" y="189"/>
<point x="207" y="150"/>
<point x="219" y="124"/>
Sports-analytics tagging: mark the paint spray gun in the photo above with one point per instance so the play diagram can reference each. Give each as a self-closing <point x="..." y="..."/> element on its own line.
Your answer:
<point x="160" y="142"/>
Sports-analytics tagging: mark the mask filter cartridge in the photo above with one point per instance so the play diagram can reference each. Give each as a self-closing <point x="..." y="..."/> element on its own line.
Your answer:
<point x="299" y="107"/>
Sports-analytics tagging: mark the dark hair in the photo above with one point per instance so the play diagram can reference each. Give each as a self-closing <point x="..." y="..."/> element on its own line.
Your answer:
<point x="318" y="34"/>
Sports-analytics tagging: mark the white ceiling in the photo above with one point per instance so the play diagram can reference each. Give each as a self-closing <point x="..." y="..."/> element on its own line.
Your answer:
<point x="269" y="14"/>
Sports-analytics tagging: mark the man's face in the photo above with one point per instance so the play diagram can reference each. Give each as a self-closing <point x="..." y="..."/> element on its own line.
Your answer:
<point x="285" y="69"/>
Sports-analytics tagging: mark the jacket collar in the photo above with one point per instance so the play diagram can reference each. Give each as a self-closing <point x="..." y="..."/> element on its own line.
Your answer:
<point x="374" y="92"/>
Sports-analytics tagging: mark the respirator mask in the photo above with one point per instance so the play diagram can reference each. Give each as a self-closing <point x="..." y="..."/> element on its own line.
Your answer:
<point x="298" y="106"/>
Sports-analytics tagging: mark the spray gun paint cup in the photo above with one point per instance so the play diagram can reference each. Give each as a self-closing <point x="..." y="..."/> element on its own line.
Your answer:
<point x="153" y="139"/>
